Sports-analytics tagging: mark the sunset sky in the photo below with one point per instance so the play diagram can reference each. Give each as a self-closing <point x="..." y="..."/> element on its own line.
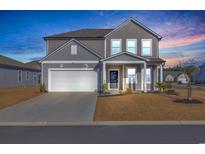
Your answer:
<point x="21" y="32"/>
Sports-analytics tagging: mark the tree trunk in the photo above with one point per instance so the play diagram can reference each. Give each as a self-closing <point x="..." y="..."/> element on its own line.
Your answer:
<point x="189" y="96"/>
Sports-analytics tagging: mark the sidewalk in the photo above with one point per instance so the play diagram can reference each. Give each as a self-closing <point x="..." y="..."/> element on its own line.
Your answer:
<point x="102" y="123"/>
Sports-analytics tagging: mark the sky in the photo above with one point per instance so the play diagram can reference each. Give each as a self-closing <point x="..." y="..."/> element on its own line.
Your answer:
<point x="22" y="32"/>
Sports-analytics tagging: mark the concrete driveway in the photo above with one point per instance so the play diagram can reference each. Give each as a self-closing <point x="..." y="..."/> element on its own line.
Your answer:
<point x="52" y="107"/>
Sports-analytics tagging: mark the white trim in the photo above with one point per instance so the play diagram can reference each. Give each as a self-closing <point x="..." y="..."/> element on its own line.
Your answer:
<point x="123" y="77"/>
<point x="105" y="47"/>
<point x="115" y="39"/>
<point x="42" y="73"/>
<point x="124" y="62"/>
<point x="161" y="73"/>
<point x="67" y="43"/>
<point x="118" y="83"/>
<point x="69" y="62"/>
<point x="150" y="47"/>
<point x="104" y="73"/>
<point x="136" y="22"/>
<point x="129" y="39"/>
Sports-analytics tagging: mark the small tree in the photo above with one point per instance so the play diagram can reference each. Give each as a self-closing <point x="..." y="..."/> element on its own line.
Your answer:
<point x="188" y="67"/>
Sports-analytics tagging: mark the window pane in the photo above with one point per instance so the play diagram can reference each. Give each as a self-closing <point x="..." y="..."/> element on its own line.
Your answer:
<point x="132" y="50"/>
<point x="131" y="43"/>
<point x="115" y="50"/>
<point x="146" y="43"/>
<point x="146" y="51"/>
<point x="131" y="75"/>
<point x="116" y="44"/>
<point x="148" y="75"/>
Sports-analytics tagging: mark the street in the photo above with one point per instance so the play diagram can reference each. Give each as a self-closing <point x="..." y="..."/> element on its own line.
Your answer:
<point x="102" y="134"/>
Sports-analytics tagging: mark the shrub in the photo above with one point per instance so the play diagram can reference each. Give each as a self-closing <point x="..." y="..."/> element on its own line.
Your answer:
<point x="42" y="88"/>
<point x="121" y="92"/>
<point x="104" y="88"/>
<point x="161" y="85"/>
<point x="128" y="91"/>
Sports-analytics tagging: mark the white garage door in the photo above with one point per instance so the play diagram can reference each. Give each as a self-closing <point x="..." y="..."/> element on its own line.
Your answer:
<point x="76" y="81"/>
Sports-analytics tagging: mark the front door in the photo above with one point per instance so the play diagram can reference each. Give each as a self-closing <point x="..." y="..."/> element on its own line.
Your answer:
<point x="114" y="79"/>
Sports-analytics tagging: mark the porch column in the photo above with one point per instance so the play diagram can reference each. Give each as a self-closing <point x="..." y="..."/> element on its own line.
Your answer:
<point x="104" y="72"/>
<point x="161" y="73"/>
<point x="123" y="77"/>
<point x="144" y="75"/>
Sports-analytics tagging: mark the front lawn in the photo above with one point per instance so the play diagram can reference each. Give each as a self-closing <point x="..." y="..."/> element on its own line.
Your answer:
<point x="11" y="96"/>
<point x="149" y="106"/>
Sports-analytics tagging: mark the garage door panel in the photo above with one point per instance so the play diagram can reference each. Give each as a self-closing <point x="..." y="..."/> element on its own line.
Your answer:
<point x="64" y="80"/>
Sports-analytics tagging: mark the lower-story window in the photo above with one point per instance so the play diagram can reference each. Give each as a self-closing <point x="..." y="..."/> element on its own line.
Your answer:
<point x="148" y="75"/>
<point x="131" y="75"/>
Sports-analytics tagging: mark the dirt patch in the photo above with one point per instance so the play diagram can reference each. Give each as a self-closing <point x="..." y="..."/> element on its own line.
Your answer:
<point x="150" y="106"/>
<point x="11" y="96"/>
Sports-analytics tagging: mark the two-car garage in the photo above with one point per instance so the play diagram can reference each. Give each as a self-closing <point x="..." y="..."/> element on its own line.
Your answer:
<point x="64" y="80"/>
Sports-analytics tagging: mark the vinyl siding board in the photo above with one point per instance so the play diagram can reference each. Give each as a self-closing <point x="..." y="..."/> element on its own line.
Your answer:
<point x="9" y="78"/>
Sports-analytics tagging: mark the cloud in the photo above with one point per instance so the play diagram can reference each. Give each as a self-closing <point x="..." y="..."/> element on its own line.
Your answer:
<point x="194" y="51"/>
<point x="181" y="41"/>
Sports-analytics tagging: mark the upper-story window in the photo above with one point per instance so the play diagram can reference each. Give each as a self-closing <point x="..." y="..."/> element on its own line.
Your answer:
<point x="73" y="49"/>
<point x="115" y="46"/>
<point x="146" y="47"/>
<point x="131" y="45"/>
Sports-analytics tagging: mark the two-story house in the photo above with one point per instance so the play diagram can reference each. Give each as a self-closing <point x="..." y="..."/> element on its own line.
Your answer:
<point x="83" y="60"/>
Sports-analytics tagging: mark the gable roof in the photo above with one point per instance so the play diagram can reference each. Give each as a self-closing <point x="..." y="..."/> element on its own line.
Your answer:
<point x="6" y="61"/>
<point x="67" y="43"/>
<point x="124" y="53"/>
<point x="139" y="24"/>
<point x="34" y="65"/>
<point x="82" y="33"/>
<point x="175" y="74"/>
<point x="98" y="33"/>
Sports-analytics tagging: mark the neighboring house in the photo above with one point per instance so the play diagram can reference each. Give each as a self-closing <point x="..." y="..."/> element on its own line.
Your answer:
<point x="199" y="76"/>
<point x="175" y="76"/>
<point x="83" y="60"/>
<point x="16" y="74"/>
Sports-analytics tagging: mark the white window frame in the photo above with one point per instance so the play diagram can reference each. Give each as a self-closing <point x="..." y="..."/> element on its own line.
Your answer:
<point x="120" y="45"/>
<point x="127" y="81"/>
<point x="27" y="75"/>
<point x="135" y="45"/>
<point x="21" y="74"/>
<point x="71" y="49"/>
<point x="150" y="47"/>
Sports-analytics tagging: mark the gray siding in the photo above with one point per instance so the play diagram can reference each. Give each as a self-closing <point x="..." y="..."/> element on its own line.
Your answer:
<point x="9" y="78"/>
<point x="65" y="54"/>
<point x="52" y="45"/>
<point x="46" y="66"/>
<point x="96" y="45"/>
<point x="132" y="31"/>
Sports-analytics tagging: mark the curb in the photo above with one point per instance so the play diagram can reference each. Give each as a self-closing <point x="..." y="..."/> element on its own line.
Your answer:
<point x="102" y="123"/>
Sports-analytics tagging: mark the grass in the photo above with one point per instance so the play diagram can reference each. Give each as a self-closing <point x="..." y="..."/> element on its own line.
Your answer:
<point x="149" y="106"/>
<point x="11" y="96"/>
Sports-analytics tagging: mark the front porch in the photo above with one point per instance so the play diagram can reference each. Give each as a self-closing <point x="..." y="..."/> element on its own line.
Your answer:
<point x="120" y="75"/>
